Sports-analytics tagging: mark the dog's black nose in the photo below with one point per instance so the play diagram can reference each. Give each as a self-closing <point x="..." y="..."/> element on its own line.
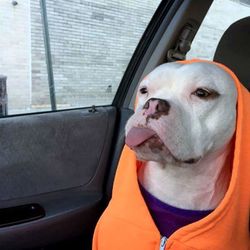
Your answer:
<point x="155" y="107"/>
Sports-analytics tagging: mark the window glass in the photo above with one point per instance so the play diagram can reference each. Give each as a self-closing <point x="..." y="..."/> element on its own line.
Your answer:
<point x="88" y="43"/>
<point x="220" y="16"/>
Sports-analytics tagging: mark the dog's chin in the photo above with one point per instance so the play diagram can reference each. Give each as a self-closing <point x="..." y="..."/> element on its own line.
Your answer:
<point x="154" y="149"/>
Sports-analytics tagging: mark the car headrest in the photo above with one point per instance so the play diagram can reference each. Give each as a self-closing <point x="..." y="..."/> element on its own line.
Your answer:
<point x="233" y="50"/>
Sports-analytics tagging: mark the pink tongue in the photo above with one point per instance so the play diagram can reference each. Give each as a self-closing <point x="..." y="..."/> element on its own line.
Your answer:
<point x="137" y="136"/>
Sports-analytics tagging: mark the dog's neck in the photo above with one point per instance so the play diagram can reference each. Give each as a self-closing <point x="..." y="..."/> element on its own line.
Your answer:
<point x="195" y="187"/>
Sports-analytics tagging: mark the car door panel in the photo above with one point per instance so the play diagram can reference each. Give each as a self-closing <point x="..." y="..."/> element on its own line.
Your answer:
<point x="57" y="160"/>
<point x="67" y="217"/>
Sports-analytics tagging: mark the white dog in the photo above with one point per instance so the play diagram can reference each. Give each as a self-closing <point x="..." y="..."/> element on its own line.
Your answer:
<point x="182" y="128"/>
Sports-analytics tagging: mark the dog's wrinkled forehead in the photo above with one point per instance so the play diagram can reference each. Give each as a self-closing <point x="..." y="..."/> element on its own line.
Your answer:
<point x="177" y="77"/>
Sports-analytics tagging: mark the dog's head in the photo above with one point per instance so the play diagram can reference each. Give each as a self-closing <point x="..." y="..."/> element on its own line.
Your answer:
<point x="184" y="112"/>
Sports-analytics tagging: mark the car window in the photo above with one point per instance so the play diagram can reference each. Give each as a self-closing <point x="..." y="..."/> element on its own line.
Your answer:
<point x="220" y="16"/>
<point x="60" y="54"/>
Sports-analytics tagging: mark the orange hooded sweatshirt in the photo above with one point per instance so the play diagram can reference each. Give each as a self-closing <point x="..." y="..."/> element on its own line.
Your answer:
<point x="126" y="224"/>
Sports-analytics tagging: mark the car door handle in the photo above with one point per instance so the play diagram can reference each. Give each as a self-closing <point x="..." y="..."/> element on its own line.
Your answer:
<point x="20" y="214"/>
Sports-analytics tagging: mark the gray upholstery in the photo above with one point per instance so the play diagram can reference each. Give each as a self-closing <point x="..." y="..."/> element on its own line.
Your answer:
<point x="234" y="50"/>
<point x="48" y="152"/>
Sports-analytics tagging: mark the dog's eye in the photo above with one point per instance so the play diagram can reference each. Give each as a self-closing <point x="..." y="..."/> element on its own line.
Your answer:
<point x="205" y="93"/>
<point x="202" y="93"/>
<point x="143" y="90"/>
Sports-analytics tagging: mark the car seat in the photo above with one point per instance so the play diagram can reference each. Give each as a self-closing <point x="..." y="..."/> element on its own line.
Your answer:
<point x="233" y="50"/>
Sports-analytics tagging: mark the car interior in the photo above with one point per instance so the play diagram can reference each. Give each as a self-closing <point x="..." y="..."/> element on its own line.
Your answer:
<point x="57" y="168"/>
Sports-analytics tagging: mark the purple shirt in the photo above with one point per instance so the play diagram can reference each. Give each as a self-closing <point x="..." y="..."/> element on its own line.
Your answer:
<point x="167" y="218"/>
